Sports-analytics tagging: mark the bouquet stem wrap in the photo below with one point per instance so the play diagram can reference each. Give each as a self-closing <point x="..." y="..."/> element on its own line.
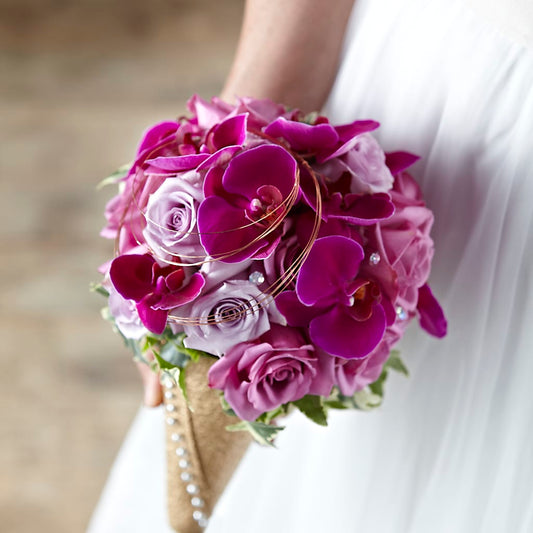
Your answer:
<point x="201" y="454"/>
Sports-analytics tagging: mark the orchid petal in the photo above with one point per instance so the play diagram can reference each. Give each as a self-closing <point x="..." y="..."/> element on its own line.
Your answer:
<point x="228" y="234"/>
<point x="131" y="275"/>
<point x="432" y="317"/>
<point x="184" y="295"/>
<point x="331" y="263"/>
<point x="340" y="334"/>
<point x="399" y="161"/>
<point x="296" y="313"/>
<point x="178" y="163"/>
<point x="231" y="131"/>
<point x="359" y="209"/>
<point x="303" y="137"/>
<point x="153" y="319"/>
<point x="266" y="164"/>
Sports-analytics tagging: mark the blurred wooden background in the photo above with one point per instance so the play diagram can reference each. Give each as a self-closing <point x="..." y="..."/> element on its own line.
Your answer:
<point x="80" y="80"/>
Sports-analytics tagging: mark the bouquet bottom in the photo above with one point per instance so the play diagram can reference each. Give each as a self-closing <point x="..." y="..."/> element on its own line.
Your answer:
<point x="201" y="454"/>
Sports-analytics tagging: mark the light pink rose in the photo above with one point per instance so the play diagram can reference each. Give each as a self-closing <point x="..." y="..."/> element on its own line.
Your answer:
<point x="355" y="374"/>
<point x="364" y="162"/>
<point x="404" y="240"/>
<point x="231" y="314"/>
<point x="171" y="218"/>
<point x="262" y="374"/>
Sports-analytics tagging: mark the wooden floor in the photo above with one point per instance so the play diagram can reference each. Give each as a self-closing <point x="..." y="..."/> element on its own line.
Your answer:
<point x="80" y="79"/>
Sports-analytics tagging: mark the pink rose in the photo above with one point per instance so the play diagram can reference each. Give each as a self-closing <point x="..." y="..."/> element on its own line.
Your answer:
<point x="278" y="367"/>
<point x="404" y="244"/>
<point x="124" y="212"/>
<point x="171" y="218"/>
<point x="355" y="374"/>
<point x="363" y="159"/>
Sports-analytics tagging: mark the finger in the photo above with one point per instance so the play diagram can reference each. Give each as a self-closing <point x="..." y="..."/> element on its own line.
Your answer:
<point x="153" y="395"/>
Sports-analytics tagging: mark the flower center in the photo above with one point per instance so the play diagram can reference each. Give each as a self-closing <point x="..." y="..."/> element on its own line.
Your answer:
<point x="266" y="207"/>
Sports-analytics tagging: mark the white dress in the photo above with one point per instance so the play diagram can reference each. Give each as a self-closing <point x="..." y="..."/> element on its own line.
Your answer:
<point x="451" y="450"/>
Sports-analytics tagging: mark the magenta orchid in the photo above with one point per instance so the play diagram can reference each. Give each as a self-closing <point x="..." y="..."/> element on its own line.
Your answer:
<point x="155" y="289"/>
<point x="249" y="199"/>
<point x="344" y="313"/>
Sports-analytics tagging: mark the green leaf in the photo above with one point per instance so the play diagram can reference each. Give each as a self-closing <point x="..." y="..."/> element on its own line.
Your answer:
<point x="99" y="288"/>
<point x="377" y="386"/>
<point x="335" y="404"/>
<point x="120" y="173"/>
<point x="366" y="400"/>
<point x="395" y="362"/>
<point x="264" y="434"/>
<point x="106" y="315"/>
<point x="313" y="408"/>
<point x="174" y="354"/>
<point x="183" y="387"/>
<point x="269" y="416"/>
<point x="163" y="364"/>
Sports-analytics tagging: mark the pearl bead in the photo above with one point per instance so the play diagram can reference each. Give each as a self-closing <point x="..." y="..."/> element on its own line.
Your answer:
<point x="186" y="476"/>
<point x="183" y="464"/>
<point x="181" y="452"/>
<point x="374" y="259"/>
<point x="197" y="502"/>
<point x="171" y="421"/>
<point x="198" y="515"/>
<point x="175" y="437"/>
<point x="192" y="488"/>
<point x="169" y="395"/>
<point x="256" y="278"/>
<point x="401" y="313"/>
<point x="169" y="407"/>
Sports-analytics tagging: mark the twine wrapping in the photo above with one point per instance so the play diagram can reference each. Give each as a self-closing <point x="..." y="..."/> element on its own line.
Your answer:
<point x="201" y="454"/>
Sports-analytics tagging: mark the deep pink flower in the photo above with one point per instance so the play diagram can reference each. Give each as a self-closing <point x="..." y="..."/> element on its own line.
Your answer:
<point x="432" y="317"/>
<point x="245" y="200"/>
<point x="155" y="289"/>
<point x="344" y="313"/>
<point x="352" y="375"/>
<point x="404" y="242"/>
<point x="262" y="374"/>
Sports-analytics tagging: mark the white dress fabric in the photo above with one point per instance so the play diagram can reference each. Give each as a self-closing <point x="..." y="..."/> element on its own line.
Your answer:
<point x="451" y="449"/>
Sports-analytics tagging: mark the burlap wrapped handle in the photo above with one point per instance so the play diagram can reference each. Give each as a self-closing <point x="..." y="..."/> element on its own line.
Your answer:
<point x="201" y="454"/>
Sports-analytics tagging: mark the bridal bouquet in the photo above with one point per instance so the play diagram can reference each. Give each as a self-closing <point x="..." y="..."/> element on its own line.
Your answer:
<point x="264" y="261"/>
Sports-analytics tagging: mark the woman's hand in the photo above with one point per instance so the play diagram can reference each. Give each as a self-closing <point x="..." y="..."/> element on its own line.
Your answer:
<point x="153" y="393"/>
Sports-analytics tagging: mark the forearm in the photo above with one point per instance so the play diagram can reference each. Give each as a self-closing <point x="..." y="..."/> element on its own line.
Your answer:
<point x="289" y="51"/>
